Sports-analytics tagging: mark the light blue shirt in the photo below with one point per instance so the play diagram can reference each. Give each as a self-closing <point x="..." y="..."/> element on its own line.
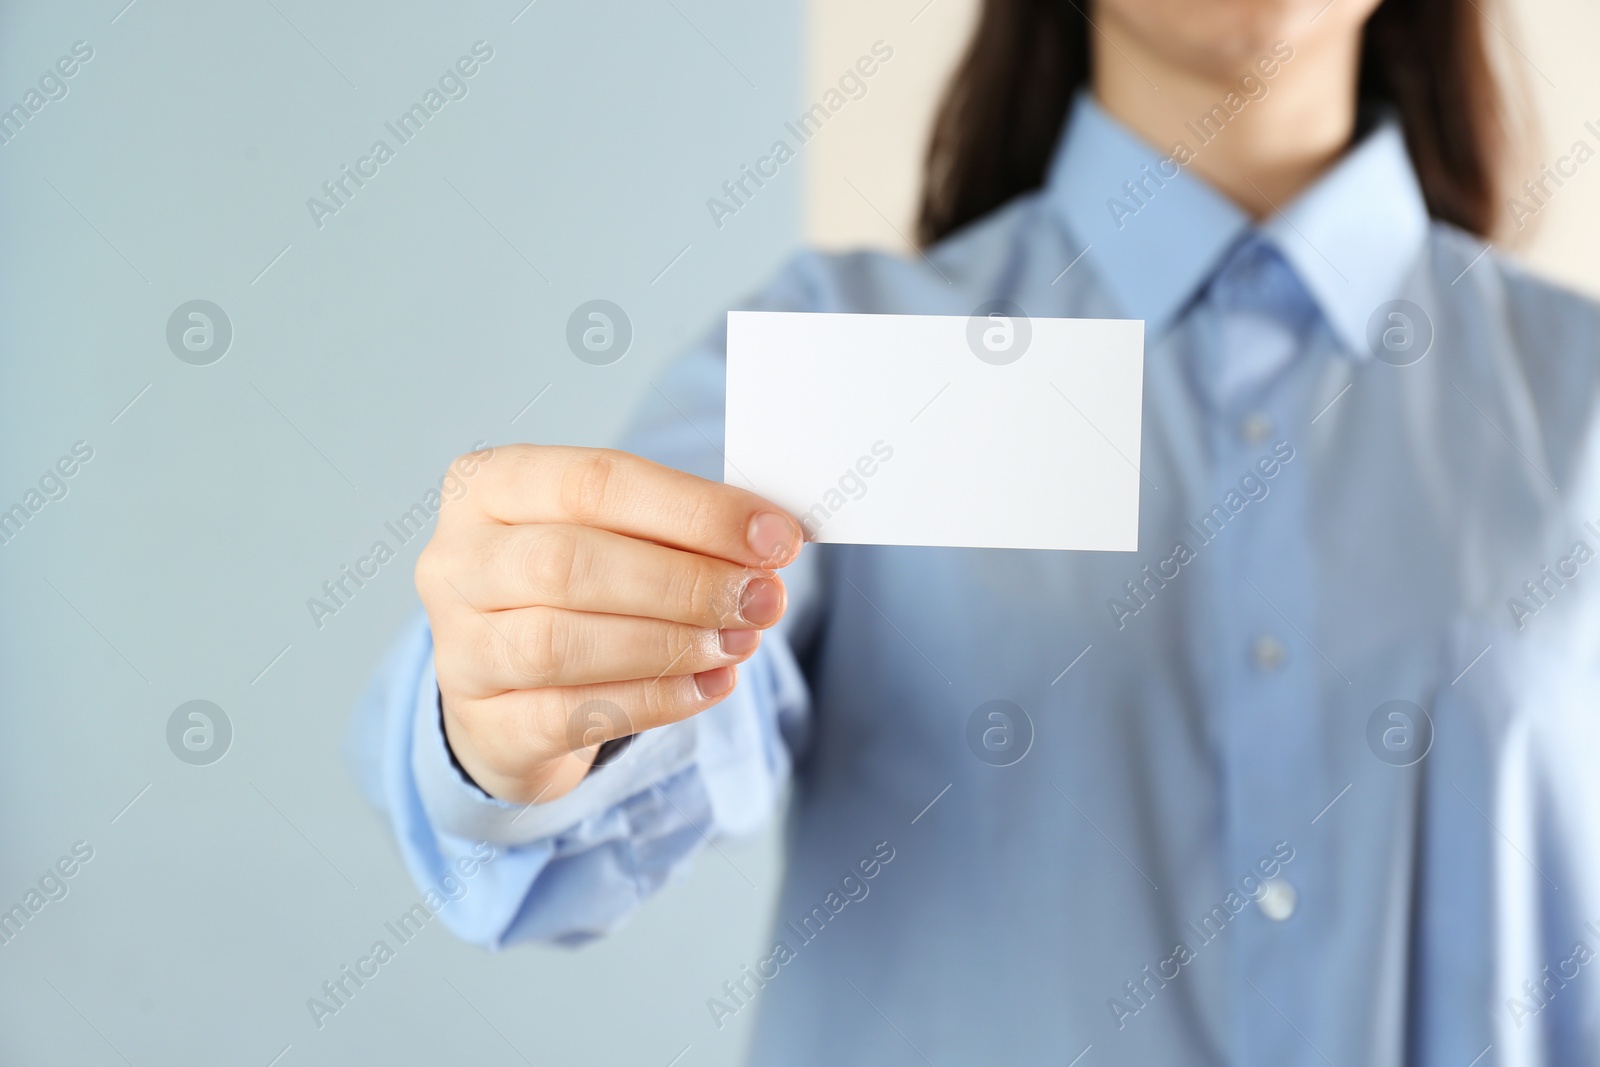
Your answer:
<point x="1311" y="778"/>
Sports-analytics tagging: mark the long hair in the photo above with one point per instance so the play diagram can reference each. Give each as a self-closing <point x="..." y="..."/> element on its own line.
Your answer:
<point x="1004" y="108"/>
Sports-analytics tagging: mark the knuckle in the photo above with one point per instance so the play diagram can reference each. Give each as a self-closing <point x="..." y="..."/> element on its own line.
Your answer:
<point x="484" y="653"/>
<point x="498" y="655"/>
<point x="704" y="649"/>
<point x="659" y="700"/>
<point x="429" y="574"/>
<point x="669" y="699"/>
<point x="719" y="595"/>
<point x="697" y="588"/>
<point x="539" y="647"/>
<point x="674" y="645"/>
<point x="705" y="518"/>
<point x="487" y="551"/>
<point x="545" y="722"/>
<point x="549" y="564"/>
<point x="586" y="485"/>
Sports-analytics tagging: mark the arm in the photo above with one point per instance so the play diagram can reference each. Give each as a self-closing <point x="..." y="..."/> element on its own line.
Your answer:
<point x="572" y="867"/>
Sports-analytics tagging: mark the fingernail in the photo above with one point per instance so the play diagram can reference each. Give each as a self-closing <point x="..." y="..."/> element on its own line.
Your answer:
<point x="761" y="602"/>
<point x="740" y="642"/>
<point x="715" y="682"/>
<point x="770" y="536"/>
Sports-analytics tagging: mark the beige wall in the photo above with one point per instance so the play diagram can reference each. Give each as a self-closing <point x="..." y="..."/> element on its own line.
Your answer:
<point x="862" y="168"/>
<point x="862" y="172"/>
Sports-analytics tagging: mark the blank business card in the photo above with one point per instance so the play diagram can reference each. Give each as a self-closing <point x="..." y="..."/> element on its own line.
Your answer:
<point x="995" y="430"/>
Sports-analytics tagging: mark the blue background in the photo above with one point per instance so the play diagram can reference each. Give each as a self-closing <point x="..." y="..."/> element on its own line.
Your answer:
<point x="364" y="359"/>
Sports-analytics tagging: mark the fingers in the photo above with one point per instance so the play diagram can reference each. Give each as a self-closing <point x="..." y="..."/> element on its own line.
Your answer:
<point x="632" y="496"/>
<point x="543" y="647"/>
<point x="585" y="595"/>
<point x="500" y="567"/>
<point x="523" y="729"/>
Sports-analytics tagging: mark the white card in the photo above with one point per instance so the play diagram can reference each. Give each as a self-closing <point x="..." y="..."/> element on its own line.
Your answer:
<point x="995" y="431"/>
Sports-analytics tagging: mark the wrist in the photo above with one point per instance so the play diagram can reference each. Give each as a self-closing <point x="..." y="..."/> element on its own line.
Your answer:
<point x="548" y="781"/>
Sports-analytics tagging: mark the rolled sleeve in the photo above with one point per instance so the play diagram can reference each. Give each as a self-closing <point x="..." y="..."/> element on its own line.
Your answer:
<point x="577" y="867"/>
<point x="457" y="806"/>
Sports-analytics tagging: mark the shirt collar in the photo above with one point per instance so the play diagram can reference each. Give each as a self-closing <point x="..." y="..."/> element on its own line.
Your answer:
<point x="1155" y="232"/>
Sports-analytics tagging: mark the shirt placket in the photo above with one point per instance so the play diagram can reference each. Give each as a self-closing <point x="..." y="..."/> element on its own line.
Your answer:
<point x="1261" y="613"/>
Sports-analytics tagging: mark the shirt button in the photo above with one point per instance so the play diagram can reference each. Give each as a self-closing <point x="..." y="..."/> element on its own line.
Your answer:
<point x="1256" y="428"/>
<point x="1278" y="899"/>
<point x="1268" y="653"/>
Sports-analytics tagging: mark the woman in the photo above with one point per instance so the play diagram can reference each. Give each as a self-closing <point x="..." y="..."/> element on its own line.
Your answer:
<point x="1309" y="778"/>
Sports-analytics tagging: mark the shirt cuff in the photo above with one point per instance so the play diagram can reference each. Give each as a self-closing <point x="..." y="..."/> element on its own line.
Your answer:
<point x="455" y="805"/>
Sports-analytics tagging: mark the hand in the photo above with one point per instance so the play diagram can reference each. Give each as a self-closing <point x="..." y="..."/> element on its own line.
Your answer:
<point x="568" y="576"/>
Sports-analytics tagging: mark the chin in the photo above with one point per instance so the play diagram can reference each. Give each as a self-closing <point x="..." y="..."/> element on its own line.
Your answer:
<point x="1222" y="36"/>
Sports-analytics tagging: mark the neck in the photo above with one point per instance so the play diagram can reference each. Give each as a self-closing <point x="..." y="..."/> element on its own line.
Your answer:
<point x="1289" y="128"/>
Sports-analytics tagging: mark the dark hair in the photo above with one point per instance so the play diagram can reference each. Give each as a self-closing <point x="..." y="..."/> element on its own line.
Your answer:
<point x="1004" y="108"/>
